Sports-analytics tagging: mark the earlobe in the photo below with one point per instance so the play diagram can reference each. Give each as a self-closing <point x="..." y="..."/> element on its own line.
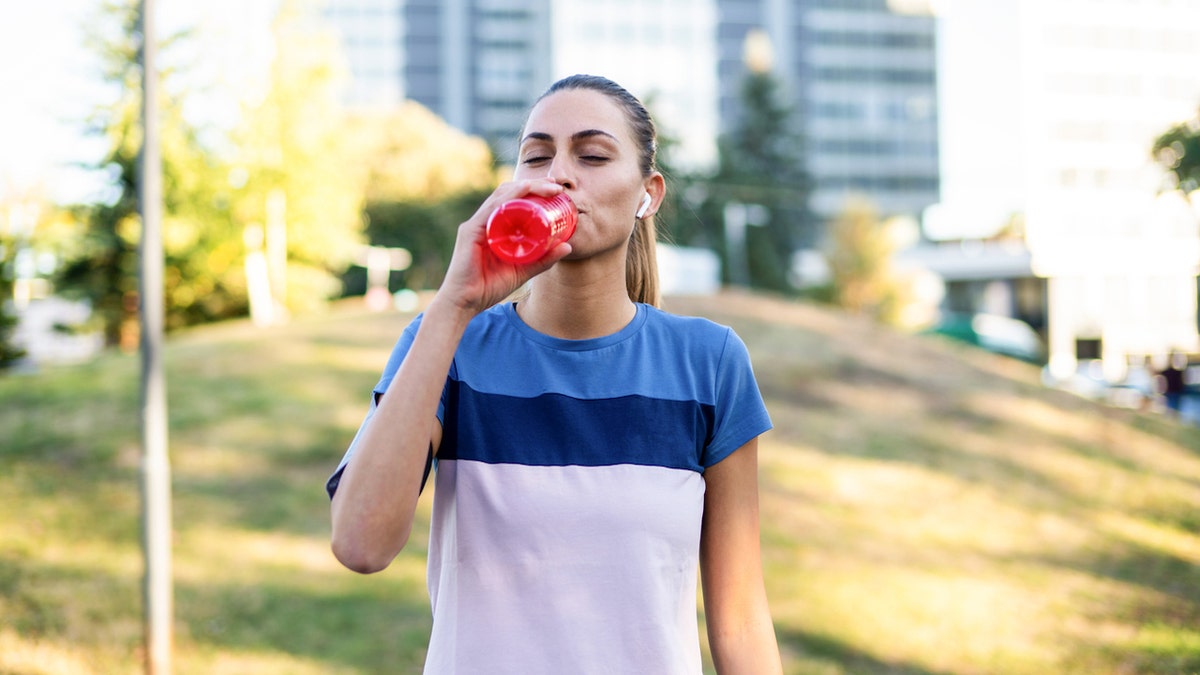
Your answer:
<point x="646" y="200"/>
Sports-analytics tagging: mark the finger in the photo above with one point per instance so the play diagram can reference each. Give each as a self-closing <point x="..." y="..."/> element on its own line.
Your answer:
<point x="513" y="190"/>
<point x="543" y="187"/>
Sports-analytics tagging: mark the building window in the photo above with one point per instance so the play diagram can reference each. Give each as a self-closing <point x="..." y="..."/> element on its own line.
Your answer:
<point x="1088" y="349"/>
<point x="875" y="75"/>
<point x="884" y="40"/>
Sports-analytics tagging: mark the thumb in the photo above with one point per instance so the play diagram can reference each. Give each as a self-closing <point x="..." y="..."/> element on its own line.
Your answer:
<point x="547" y="261"/>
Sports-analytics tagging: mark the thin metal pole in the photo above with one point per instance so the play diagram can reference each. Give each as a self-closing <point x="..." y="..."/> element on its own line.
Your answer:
<point x="735" y="243"/>
<point x="156" y="470"/>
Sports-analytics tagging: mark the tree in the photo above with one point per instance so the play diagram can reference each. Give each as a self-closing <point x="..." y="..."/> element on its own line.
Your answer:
<point x="1178" y="150"/>
<point x="9" y="352"/>
<point x="103" y="267"/>
<point x="216" y="182"/>
<point x="295" y="168"/>
<point x="39" y="232"/>
<point x="426" y="228"/>
<point x="859" y="251"/>
<point x="410" y="153"/>
<point x="423" y="178"/>
<point x="760" y="162"/>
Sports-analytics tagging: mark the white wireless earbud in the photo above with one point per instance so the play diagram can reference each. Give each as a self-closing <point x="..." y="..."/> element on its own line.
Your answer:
<point x="645" y="205"/>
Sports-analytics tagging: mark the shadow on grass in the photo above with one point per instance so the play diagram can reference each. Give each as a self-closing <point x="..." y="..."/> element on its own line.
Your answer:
<point x="371" y="624"/>
<point x="1174" y="580"/>
<point x="1164" y="625"/>
<point x="254" y="501"/>
<point x="821" y="654"/>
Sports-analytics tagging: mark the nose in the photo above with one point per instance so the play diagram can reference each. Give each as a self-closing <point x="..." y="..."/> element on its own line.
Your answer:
<point x="559" y="174"/>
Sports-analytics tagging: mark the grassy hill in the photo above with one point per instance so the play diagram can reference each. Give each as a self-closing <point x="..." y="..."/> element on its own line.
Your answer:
<point x="927" y="509"/>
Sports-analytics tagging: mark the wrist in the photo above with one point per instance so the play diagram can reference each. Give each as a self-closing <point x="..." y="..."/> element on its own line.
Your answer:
<point x="456" y="311"/>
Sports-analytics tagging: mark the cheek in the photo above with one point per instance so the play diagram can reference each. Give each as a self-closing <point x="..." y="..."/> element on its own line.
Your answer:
<point x="621" y="201"/>
<point x="617" y="213"/>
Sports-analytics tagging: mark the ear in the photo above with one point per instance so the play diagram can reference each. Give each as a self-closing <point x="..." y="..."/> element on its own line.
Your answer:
<point x="656" y="188"/>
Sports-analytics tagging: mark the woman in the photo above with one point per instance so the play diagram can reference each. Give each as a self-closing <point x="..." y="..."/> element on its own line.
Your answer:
<point x="591" y="450"/>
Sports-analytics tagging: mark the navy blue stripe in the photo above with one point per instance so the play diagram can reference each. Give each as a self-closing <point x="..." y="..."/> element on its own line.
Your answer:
<point x="558" y="430"/>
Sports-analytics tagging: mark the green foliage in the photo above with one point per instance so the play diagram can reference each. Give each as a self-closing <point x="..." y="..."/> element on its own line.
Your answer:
<point x="678" y="219"/>
<point x="104" y="267"/>
<point x="299" y="169"/>
<point x="760" y="162"/>
<point x="859" y="253"/>
<point x="426" y="229"/>
<point x="199" y="284"/>
<point x="286" y="155"/>
<point x="9" y="352"/>
<point x="1178" y="150"/>
<point x="423" y="179"/>
<point x="411" y="154"/>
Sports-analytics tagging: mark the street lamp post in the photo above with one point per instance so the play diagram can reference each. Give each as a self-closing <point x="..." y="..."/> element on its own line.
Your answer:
<point x="156" y="471"/>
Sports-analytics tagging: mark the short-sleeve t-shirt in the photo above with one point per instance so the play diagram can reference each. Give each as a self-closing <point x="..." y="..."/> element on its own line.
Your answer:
<point x="569" y="492"/>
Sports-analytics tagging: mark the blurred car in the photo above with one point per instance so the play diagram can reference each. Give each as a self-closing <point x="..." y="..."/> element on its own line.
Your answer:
<point x="995" y="333"/>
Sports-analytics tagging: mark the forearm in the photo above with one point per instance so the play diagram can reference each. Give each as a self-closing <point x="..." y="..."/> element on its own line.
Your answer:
<point x="373" y="509"/>
<point x="378" y="490"/>
<point x="748" y="648"/>
<point x="740" y="633"/>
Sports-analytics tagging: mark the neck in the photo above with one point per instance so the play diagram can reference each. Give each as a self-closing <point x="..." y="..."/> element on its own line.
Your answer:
<point x="564" y="303"/>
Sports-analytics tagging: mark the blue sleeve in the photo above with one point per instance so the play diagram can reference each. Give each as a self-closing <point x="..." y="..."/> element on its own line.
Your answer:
<point x="399" y="351"/>
<point x="739" y="414"/>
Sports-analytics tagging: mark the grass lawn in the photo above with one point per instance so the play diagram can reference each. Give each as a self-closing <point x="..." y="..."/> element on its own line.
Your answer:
<point x="927" y="509"/>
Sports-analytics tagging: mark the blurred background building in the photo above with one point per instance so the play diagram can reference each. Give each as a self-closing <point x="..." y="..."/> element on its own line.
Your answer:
<point x="1027" y="121"/>
<point x="373" y="42"/>
<point x="1055" y="106"/>
<point x="479" y="63"/>
<point x="860" y="74"/>
<point x="1017" y="133"/>
<point x="862" y="77"/>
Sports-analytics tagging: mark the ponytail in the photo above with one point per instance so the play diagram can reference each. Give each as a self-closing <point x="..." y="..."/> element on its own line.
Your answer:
<point x="641" y="266"/>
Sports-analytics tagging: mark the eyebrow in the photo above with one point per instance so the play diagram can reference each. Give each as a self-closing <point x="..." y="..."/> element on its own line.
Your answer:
<point x="577" y="136"/>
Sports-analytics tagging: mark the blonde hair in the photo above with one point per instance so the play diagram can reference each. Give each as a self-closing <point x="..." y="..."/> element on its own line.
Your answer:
<point x="641" y="266"/>
<point x="641" y="263"/>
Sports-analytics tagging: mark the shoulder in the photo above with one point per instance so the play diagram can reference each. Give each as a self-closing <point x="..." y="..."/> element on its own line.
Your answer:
<point x="692" y="333"/>
<point x="696" y="327"/>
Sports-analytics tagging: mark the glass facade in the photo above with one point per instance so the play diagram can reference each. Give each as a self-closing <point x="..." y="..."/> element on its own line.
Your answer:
<point x="863" y="80"/>
<point x="861" y="77"/>
<point x="370" y="32"/>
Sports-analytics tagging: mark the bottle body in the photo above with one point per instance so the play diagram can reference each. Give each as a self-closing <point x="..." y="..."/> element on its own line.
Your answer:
<point x="523" y="230"/>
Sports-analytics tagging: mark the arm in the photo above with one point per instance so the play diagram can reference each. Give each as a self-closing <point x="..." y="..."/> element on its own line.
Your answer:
<point x="373" y="508"/>
<point x="740" y="632"/>
<point x="376" y="499"/>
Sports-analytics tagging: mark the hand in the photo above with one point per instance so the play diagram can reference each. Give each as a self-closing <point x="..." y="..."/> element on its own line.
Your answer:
<point x="476" y="279"/>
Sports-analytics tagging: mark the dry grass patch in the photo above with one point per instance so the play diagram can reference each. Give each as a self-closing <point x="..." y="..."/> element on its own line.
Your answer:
<point x="927" y="509"/>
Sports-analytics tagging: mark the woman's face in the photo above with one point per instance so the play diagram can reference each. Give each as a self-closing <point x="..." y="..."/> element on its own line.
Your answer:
<point x="581" y="139"/>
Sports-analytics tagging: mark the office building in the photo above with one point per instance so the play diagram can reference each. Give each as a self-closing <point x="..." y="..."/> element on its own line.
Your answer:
<point x="480" y="63"/>
<point x="861" y="76"/>
<point x="1050" y="110"/>
<point x="371" y="33"/>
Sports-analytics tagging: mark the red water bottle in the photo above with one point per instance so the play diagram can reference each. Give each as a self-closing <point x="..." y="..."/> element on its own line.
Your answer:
<point x="523" y="230"/>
